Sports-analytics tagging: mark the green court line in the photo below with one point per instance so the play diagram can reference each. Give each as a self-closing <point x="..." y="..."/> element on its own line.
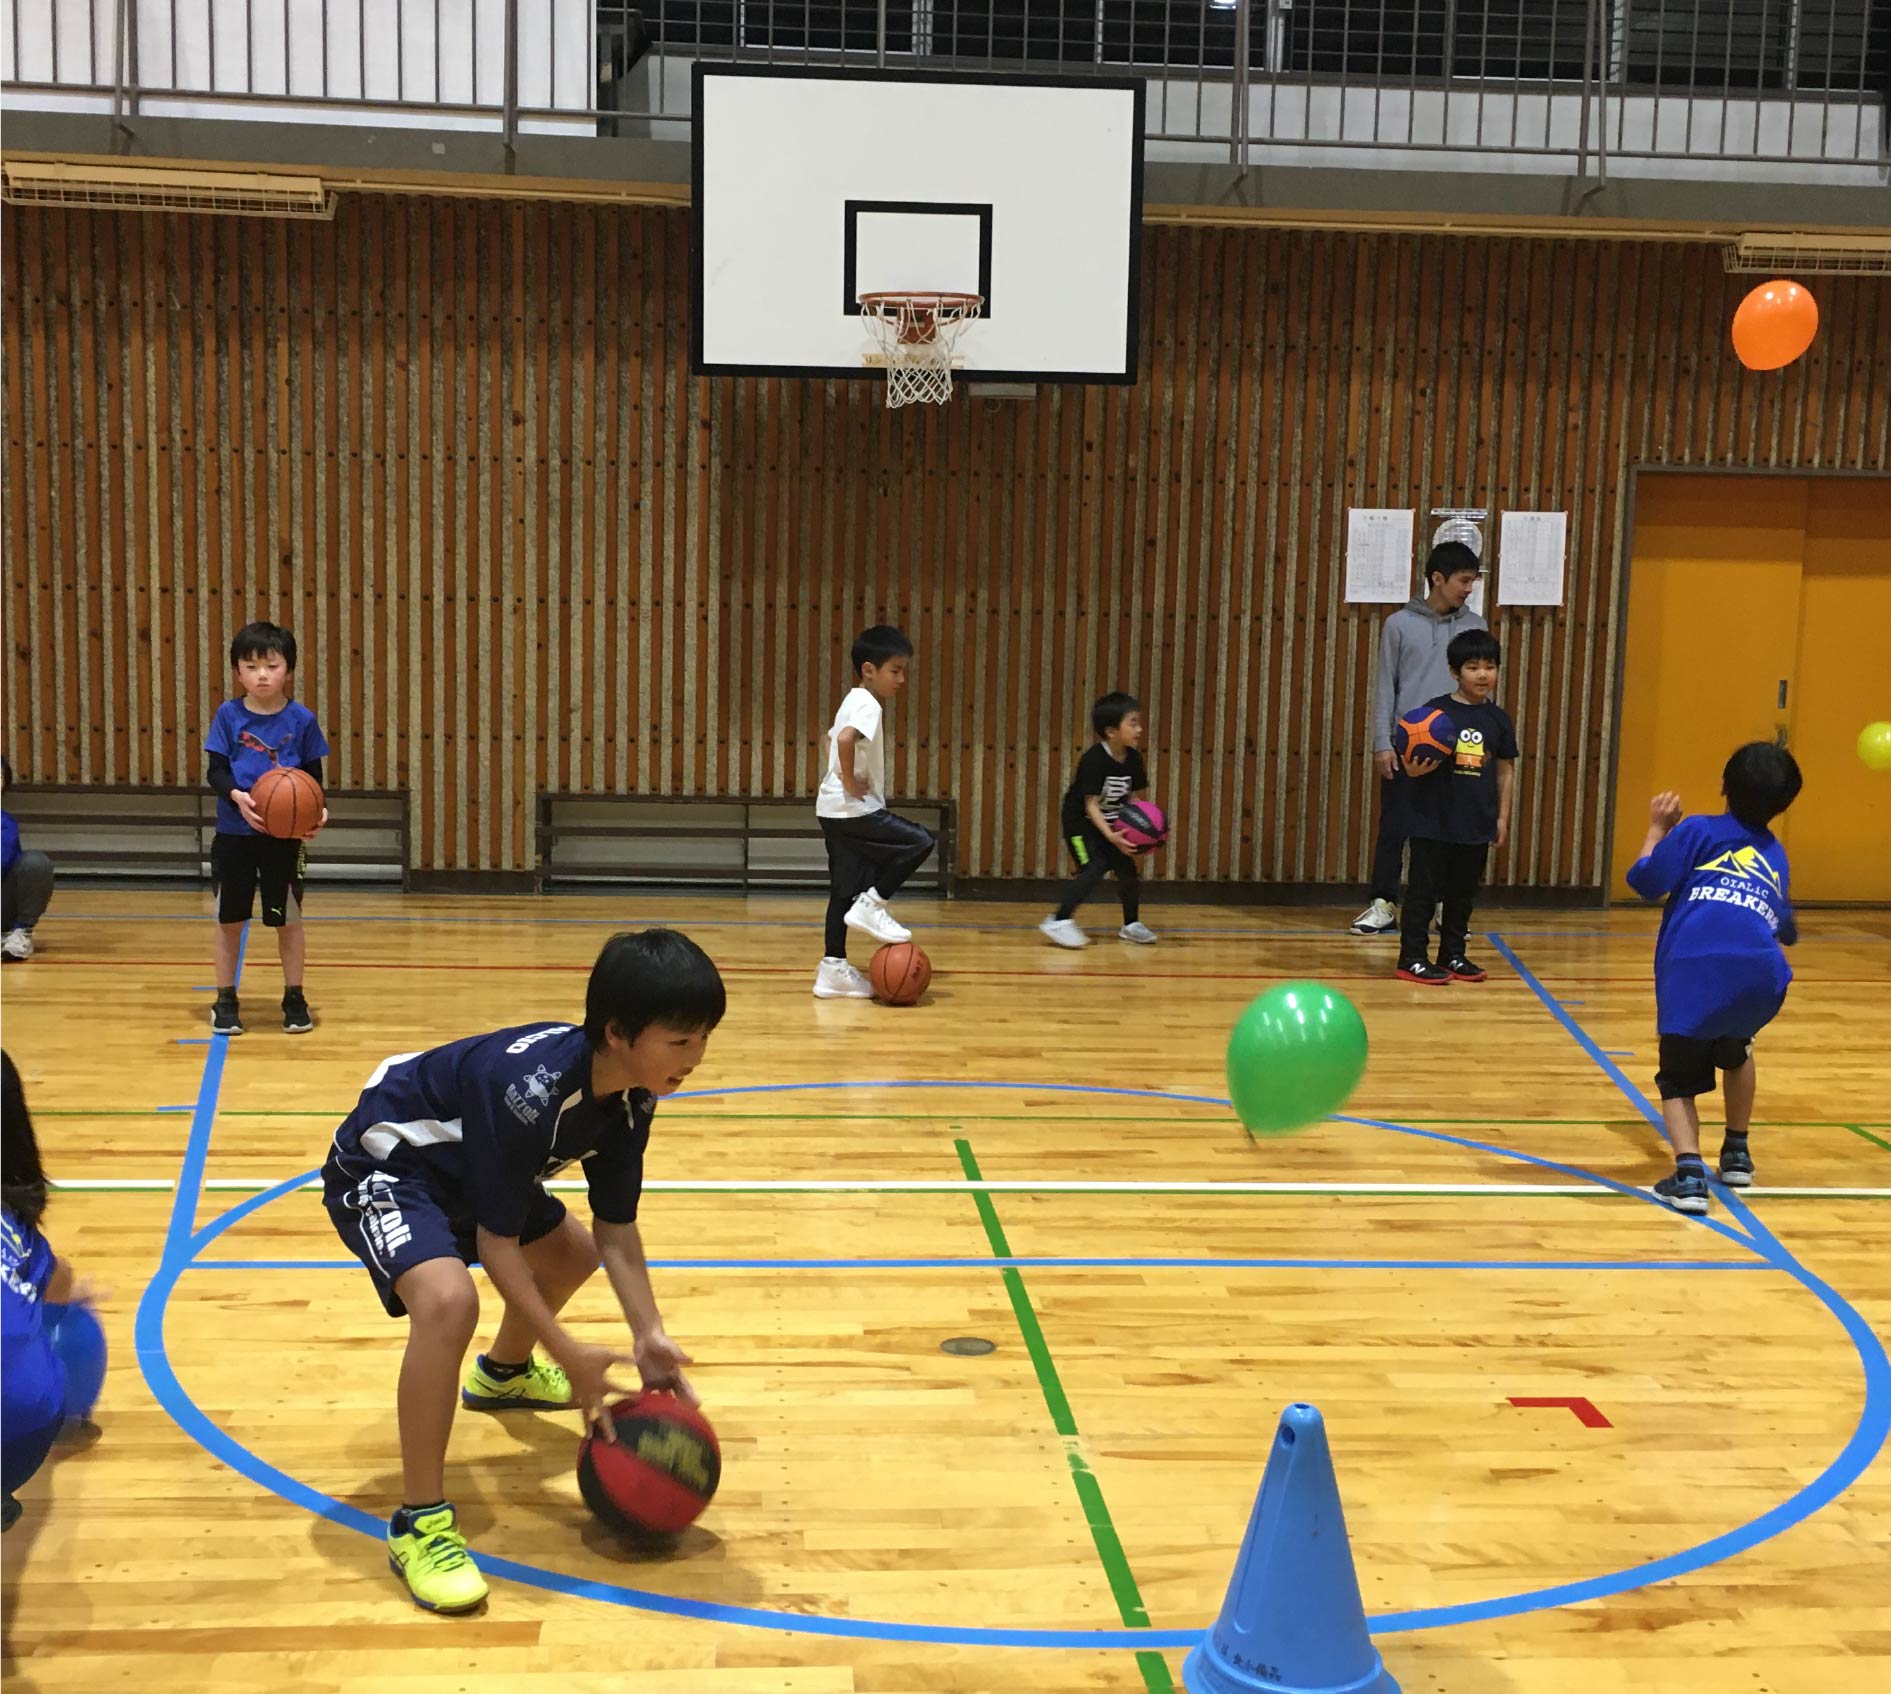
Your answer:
<point x="1876" y="1141"/>
<point x="1096" y="1513"/>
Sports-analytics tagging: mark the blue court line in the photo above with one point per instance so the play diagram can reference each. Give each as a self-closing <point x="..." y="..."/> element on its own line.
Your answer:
<point x="190" y="1108"/>
<point x="1080" y="1262"/>
<point x="194" y="1040"/>
<point x="1856" y="1456"/>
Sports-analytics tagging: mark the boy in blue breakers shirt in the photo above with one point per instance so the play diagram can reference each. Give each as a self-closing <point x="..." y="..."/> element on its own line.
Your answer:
<point x="1720" y="977"/>
<point x="443" y="1162"/>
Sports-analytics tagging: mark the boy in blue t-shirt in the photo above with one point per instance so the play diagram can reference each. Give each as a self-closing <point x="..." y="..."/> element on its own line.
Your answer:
<point x="1720" y="977"/>
<point x="443" y="1162"/>
<point x="261" y="731"/>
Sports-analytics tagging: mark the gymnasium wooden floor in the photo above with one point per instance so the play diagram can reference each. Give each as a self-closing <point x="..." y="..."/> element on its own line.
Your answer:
<point x="1063" y="1513"/>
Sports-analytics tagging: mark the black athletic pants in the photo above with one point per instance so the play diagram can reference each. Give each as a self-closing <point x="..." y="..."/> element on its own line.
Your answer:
<point x="1095" y="858"/>
<point x="878" y="851"/>
<point x="1447" y="871"/>
<point x="1388" y="853"/>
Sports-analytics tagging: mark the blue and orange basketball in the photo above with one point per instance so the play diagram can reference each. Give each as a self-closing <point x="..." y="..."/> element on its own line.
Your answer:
<point x="1424" y="733"/>
<point x="1143" y="824"/>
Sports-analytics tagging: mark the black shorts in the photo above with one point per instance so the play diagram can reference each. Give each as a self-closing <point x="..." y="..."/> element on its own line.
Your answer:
<point x="1087" y="844"/>
<point x="392" y="1221"/>
<point x="239" y="864"/>
<point x="1688" y="1062"/>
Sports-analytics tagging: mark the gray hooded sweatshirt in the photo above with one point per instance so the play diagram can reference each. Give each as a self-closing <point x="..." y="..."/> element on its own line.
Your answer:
<point x="1412" y="666"/>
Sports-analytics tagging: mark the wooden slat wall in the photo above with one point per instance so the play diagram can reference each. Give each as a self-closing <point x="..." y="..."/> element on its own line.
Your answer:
<point x="456" y="446"/>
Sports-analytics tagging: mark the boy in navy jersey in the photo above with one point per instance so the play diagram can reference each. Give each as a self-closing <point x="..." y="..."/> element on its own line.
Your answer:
<point x="1456" y="813"/>
<point x="262" y="731"/>
<point x="1720" y="977"/>
<point x="444" y="1160"/>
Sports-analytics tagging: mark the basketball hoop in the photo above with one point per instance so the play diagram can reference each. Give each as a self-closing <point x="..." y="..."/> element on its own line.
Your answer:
<point x="917" y="334"/>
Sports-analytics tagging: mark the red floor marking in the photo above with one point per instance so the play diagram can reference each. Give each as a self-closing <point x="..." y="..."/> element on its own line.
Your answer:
<point x="1585" y="1410"/>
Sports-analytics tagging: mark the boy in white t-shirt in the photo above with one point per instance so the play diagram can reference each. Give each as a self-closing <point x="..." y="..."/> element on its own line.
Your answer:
<point x="870" y="852"/>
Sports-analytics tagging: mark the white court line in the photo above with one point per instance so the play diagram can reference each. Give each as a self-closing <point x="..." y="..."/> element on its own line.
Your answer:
<point x="255" y="1185"/>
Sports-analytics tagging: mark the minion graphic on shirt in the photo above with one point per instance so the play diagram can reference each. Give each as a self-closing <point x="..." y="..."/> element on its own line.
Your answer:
<point x="1470" y="754"/>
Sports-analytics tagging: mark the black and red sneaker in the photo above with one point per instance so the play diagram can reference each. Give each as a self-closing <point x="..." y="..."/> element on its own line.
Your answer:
<point x="1423" y="970"/>
<point x="1461" y="969"/>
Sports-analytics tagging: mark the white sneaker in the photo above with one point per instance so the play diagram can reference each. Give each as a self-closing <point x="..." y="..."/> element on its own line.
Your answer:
<point x="1140" y="933"/>
<point x="1064" y="932"/>
<point x="18" y="944"/>
<point x="838" y="980"/>
<point x="869" y="915"/>
<point x="1377" y="919"/>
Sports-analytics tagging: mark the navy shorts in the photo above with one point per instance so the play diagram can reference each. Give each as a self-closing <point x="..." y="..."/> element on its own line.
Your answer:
<point x="392" y="1221"/>
<point x="1688" y="1062"/>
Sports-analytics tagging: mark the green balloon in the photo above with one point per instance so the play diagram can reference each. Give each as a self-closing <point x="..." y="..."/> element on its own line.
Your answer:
<point x="1295" y="1057"/>
<point x="1874" y="746"/>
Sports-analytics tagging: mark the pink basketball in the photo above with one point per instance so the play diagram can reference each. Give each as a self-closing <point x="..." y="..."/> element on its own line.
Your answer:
<point x="1144" y="824"/>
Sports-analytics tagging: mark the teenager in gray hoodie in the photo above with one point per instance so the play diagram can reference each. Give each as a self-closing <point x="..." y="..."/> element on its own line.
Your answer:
<point x="1412" y="670"/>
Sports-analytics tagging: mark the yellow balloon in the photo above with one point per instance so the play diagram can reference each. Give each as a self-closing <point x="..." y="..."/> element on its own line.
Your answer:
<point x="1874" y="746"/>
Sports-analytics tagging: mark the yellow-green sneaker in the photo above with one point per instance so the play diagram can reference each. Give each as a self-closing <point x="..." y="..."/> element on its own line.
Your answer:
<point x="540" y="1387"/>
<point x="431" y="1558"/>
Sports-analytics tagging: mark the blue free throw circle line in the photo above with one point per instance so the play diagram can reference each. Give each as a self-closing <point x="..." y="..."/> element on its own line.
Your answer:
<point x="1874" y="1424"/>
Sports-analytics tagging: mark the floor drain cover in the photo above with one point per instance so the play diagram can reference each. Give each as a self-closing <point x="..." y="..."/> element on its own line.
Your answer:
<point x="968" y="1346"/>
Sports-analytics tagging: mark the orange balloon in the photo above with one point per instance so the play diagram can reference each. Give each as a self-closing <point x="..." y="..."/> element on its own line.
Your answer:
<point x="1774" y="325"/>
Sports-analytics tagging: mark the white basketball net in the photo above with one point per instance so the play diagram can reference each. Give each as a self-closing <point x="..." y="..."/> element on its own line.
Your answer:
<point x="917" y="334"/>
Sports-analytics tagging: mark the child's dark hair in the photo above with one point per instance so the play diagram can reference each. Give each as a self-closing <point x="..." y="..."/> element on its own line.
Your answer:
<point x="652" y="976"/>
<point x="259" y="640"/>
<point x="1447" y="559"/>
<point x="877" y="645"/>
<point x="22" y="1176"/>
<point x="1760" y="782"/>
<point x="1472" y="644"/>
<point x="1109" y="712"/>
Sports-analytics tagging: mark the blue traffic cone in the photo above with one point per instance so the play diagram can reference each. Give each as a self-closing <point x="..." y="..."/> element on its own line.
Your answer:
<point x="1293" y="1622"/>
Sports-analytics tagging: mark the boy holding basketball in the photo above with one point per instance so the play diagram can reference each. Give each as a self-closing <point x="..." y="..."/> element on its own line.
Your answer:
<point x="1720" y="976"/>
<point x="1106" y="776"/>
<point x="870" y="851"/>
<point x="262" y="730"/>
<point x="1412" y="668"/>
<point x="1458" y="809"/>
<point x="443" y="1162"/>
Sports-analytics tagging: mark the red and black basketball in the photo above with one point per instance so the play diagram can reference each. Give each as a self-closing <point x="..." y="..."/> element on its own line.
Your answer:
<point x="899" y="974"/>
<point x="658" y="1475"/>
<point x="288" y="800"/>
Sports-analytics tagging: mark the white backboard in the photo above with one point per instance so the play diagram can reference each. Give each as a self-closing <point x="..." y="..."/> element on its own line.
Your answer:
<point x="816" y="185"/>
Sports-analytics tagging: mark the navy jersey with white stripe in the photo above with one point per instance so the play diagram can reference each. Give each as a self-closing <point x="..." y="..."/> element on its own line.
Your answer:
<point x="487" y="1119"/>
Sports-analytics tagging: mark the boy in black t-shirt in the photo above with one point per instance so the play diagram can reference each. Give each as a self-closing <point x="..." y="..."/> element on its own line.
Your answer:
<point x="1107" y="774"/>
<point x="1459" y="810"/>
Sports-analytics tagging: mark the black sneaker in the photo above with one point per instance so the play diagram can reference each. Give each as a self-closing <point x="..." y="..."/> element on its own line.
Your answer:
<point x="1685" y="1191"/>
<point x="1426" y="972"/>
<point x="1736" y="1165"/>
<point x="297" y="1019"/>
<point x="224" y="1018"/>
<point x="1461" y="969"/>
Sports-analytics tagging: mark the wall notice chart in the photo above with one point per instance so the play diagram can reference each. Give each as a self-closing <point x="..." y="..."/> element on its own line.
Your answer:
<point x="1530" y="547"/>
<point x="1379" y="555"/>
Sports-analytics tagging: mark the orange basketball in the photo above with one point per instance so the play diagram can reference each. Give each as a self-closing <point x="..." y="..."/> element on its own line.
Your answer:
<point x="899" y="974"/>
<point x="288" y="800"/>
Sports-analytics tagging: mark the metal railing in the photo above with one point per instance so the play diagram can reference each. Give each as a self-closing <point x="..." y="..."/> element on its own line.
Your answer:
<point x="1590" y="81"/>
